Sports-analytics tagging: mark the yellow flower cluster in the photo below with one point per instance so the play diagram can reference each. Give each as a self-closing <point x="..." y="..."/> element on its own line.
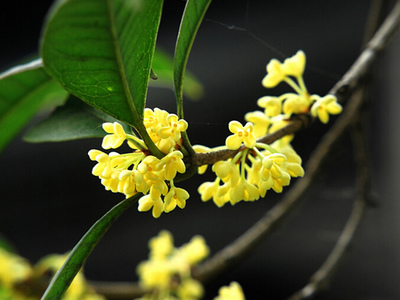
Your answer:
<point x="167" y="273"/>
<point x="14" y="270"/>
<point x="251" y="173"/>
<point x="140" y="172"/>
<point x="299" y="102"/>
<point x="258" y="167"/>
<point x="232" y="292"/>
<point x="18" y="278"/>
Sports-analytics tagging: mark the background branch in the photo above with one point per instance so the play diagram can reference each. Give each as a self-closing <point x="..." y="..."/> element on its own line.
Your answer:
<point x="321" y="278"/>
<point x="236" y="251"/>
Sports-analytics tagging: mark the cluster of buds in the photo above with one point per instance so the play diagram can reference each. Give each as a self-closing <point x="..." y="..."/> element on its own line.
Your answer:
<point x="254" y="170"/>
<point x="19" y="280"/>
<point x="258" y="167"/>
<point x="167" y="272"/>
<point x="141" y="172"/>
<point x="291" y="71"/>
<point x="232" y="292"/>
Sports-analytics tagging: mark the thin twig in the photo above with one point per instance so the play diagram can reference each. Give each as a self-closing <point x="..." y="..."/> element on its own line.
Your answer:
<point x="118" y="290"/>
<point x="321" y="278"/>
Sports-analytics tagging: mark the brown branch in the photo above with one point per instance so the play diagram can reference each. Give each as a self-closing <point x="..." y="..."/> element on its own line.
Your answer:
<point x="342" y="89"/>
<point x="118" y="290"/>
<point x="321" y="278"/>
<point x="362" y="65"/>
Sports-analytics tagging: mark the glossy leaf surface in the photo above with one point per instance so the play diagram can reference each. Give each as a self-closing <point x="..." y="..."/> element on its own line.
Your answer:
<point x="23" y="92"/>
<point x="191" y="20"/>
<point x="102" y="50"/>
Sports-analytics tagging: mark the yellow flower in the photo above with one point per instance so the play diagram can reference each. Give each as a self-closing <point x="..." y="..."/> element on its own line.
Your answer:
<point x="127" y="183"/>
<point x="154" y="120"/>
<point x="260" y="121"/>
<point x="295" y="104"/>
<point x="149" y="167"/>
<point x="232" y="292"/>
<point x="176" y="196"/>
<point x="195" y="251"/>
<point x="325" y="106"/>
<point x="280" y="182"/>
<point x="227" y="171"/>
<point x="190" y="289"/>
<point x="275" y="74"/>
<point x="273" y="162"/>
<point x="174" y="128"/>
<point x="223" y="195"/>
<point x="244" y="191"/>
<point x="103" y="162"/>
<point x="167" y="272"/>
<point x="161" y="246"/>
<point x="116" y="137"/>
<point x="164" y="128"/>
<point x="293" y="160"/>
<point x="240" y="135"/>
<point x="155" y="274"/>
<point x="172" y="163"/>
<point x="208" y="190"/>
<point x="146" y="203"/>
<point x="294" y="66"/>
<point x="13" y="269"/>
<point x="272" y="105"/>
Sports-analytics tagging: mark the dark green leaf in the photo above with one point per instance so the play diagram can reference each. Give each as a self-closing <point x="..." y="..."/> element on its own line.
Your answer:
<point x="102" y="50"/>
<point x="191" y="20"/>
<point x="23" y="92"/>
<point x="163" y="67"/>
<point x="63" y="278"/>
<point x="74" y="120"/>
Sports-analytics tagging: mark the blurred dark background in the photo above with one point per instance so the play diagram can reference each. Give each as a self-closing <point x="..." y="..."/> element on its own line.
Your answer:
<point x="49" y="198"/>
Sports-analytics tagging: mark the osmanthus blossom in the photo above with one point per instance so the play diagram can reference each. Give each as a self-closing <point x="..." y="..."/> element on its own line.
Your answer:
<point x="291" y="71"/>
<point x="325" y="106"/>
<point x="164" y="128"/>
<point x="167" y="272"/>
<point x="232" y="292"/>
<point x="17" y="277"/>
<point x="251" y="173"/>
<point x="240" y="135"/>
<point x="140" y="172"/>
<point x="116" y="135"/>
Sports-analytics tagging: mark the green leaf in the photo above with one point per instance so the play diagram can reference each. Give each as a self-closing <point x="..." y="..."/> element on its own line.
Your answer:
<point x="63" y="278"/>
<point x="163" y="67"/>
<point x="191" y="20"/>
<point x="101" y="51"/>
<point x="74" y="120"/>
<point x="24" y="90"/>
